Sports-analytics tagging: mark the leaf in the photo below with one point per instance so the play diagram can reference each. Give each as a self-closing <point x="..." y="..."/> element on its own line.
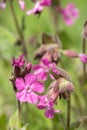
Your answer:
<point x="26" y="127"/>
<point x="77" y="123"/>
<point x="3" y="122"/>
<point x="13" y="122"/>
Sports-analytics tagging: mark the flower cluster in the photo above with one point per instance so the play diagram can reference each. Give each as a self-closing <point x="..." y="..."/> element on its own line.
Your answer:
<point x="39" y="6"/>
<point x="28" y="82"/>
<point x="69" y="14"/>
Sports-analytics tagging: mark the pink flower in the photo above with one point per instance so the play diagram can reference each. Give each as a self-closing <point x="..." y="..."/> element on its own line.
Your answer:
<point x="27" y="88"/>
<point x="39" y="6"/>
<point x="2" y="5"/>
<point x="83" y="58"/>
<point x="42" y="70"/>
<point x="48" y="106"/>
<point x="22" y="4"/>
<point x="18" y="62"/>
<point x="69" y="14"/>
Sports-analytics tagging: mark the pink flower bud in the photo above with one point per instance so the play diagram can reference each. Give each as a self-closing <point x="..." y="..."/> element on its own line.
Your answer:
<point x="83" y="58"/>
<point x="70" y="53"/>
<point x="53" y="92"/>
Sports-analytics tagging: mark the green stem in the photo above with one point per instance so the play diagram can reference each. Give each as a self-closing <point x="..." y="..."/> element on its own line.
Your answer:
<point x="55" y="15"/>
<point x="19" y="30"/>
<point x="84" y="51"/>
<point x="68" y="112"/>
<point x="19" y="114"/>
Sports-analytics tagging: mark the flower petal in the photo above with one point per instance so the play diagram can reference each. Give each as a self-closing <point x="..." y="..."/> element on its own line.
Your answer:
<point x="20" y="84"/>
<point x="49" y="113"/>
<point x="32" y="98"/>
<point x="37" y="87"/>
<point x="22" y="96"/>
<point x="30" y="78"/>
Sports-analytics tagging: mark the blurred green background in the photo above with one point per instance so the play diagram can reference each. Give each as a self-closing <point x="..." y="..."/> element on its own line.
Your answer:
<point x="34" y="26"/>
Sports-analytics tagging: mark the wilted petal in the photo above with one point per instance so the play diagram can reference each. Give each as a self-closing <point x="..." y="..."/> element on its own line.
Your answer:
<point x="20" y="84"/>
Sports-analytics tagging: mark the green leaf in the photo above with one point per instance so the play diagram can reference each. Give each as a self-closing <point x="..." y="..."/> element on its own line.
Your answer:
<point x="13" y="120"/>
<point x="26" y="127"/>
<point x="77" y="123"/>
<point x="3" y="122"/>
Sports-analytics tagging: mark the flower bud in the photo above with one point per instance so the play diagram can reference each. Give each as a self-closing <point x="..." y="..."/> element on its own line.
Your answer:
<point x="65" y="88"/>
<point x="83" y="58"/>
<point x="53" y="92"/>
<point x="70" y="53"/>
<point x="27" y="69"/>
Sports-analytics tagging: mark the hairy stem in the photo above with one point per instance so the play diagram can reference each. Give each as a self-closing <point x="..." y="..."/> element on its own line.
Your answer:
<point x="19" y="30"/>
<point x="84" y="51"/>
<point x="68" y="112"/>
<point x="55" y="16"/>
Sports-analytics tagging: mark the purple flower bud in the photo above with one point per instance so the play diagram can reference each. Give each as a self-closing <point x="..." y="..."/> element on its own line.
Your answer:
<point x="83" y="58"/>
<point x="18" y="62"/>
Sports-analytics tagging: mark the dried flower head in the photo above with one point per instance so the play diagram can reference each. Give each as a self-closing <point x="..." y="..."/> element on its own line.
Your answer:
<point x="65" y="88"/>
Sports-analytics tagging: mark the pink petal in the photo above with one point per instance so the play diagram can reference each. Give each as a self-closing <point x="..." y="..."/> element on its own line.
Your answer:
<point x="83" y="58"/>
<point x="45" y="2"/>
<point x="22" y="96"/>
<point x="30" y="78"/>
<point x="22" y="4"/>
<point x="57" y="111"/>
<point x="20" y="84"/>
<point x="41" y="106"/>
<point x="42" y="76"/>
<point x="2" y="5"/>
<point x="29" y="12"/>
<point x="68" y="20"/>
<point x="49" y="113"/>
<point x="41" y="73"/>
<point x="32" y="98"/>
<point x="37" y="8"/>
<point x="37" y="87"/>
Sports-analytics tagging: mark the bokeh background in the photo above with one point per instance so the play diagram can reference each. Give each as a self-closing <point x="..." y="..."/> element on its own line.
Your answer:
<point x="70" y="37"/>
